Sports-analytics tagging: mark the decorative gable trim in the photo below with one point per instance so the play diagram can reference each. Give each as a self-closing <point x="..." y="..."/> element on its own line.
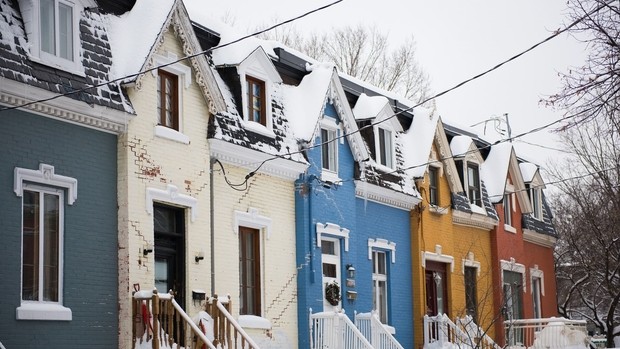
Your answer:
<point x="248" y="158"/>
<point x="252" y="219"/>
<point x="44" y="175"/>
<point x="449" y="167"/>
<point x="367" y="191"/>
<point x="334" y="230"/>
<point x="171" y="195"/>
<point x="537" y="238"/>
<point x="437" y="256"/>
<point x="179" y="20"/>
<point x="338" y="99"/>
<point x="384" y="245"/>
<point x="519" y="185"/>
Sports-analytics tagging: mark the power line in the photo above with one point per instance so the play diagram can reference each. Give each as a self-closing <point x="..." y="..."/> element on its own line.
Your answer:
<point x="172" y="62"/>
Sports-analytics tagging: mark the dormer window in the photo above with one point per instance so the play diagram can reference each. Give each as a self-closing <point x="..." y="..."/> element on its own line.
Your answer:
<point x="168" y="99"/>
<point x="473" y="184"/>
<point x="256" y="100"/>
<point x="536" y="199"/>
<point x="433" y="186"/>
<point x="329" y="151"/>
<point x="386" y="148"/>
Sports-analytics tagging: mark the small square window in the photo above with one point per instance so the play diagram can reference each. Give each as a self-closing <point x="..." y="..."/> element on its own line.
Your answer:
<point x="256" y="101"/>
<point x="168" y="100"/>
<point x="433" y="187"/>
<point x="329" y="150"/>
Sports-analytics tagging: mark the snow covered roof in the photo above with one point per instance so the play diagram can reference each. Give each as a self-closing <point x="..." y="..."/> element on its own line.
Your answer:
<point x="529" y="171"/>
<point x="418" y="141"/>
<point x="368" y="107"/>
<point x="460" y="145"/>
<point x="494" y="170"/>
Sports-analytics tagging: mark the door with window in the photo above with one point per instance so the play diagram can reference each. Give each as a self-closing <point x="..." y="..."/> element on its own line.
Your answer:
<point x="330" y="261"/>
<point x="513" y="304"/>
<point x="169" y="225"/>
<point x="436" y="288"/>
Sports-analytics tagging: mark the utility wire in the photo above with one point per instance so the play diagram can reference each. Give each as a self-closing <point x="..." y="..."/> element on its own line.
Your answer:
<point x="126" y="77"/>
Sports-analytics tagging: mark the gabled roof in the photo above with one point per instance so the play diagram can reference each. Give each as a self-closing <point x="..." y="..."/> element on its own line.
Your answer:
<point x="502" y="161"/>
<point x="377" y="109"/>
<point x="138" y="34"/>
<point x="18" y="67"/>
<point x="418" y="141"/>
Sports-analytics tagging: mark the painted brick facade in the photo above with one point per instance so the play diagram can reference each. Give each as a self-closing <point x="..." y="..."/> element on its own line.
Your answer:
<point x="90" y="267"/>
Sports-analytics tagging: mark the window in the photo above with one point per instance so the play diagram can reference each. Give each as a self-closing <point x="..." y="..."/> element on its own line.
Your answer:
<point x="168" y="99"/>
<point x="249" y="270"/>
<point x="508" y="209"/>
<point x="386" y="152"/>
<point x="379" y="285"/>
<point x="471" y="296"/>
<point x="536" y="287"/>
<point x="473" y="185"/>
<point x="513" y="294"/>
<point x="433" y="187"/>
<point x="329" y="150"/>
<point x="42" y="212"/>
<point x="535" y="197"/>
<point x="256" y="100"/>
<point x="56" y="29"/>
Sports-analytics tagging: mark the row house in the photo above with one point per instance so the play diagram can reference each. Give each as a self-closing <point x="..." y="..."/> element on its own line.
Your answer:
<point x="58" y="173"/>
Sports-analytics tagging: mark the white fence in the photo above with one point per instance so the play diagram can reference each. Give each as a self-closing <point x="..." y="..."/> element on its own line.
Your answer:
<point x="376" y="333"/>
<point x="335" y="331"/>
<point x="551" y="333"/>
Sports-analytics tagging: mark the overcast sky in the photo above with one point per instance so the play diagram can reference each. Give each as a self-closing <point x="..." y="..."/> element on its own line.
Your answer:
<point x="456" y="39"/>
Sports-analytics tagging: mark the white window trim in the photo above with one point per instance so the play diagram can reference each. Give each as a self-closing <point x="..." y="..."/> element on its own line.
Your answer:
<point x="384" y="245"/>
<point x="171" y="195"/>
<point x="329" y="123"/>
<point x="333" y="230"/>
<point x="378" y="147"/>
<point x="258" y="75"/>
<point x="511" y="265"/>
<point x="537" y="273"/>
<point x="376" y="277"/>
<point x="473" y="159"/>
<point x="535" y="191"/>
<point x="44" y="175"/>
<point x="33" y="28"/>
<point x="184" y="75"/>
<point x="45" y="310"/>
<point x="470" y="262"/>
<point x="437" y="256"/>
<point x="252" y="219"/>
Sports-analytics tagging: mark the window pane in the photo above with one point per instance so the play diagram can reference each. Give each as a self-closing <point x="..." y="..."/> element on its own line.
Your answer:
<point x="51" y="248"/>
<point x="161" y="275"/>
<point x="382" y="299"/>
<point x="385" y="147"/>
<point x="249" y="269"/>
<point x="30" y="248"/>
<point x="507" y="209"/>
<point x="65" y="31"/>
<point x="329" y="270"/>
<point x="471" y="300"/>
<point x="328" y="247"/>
<point x="381" y="263"/>
<point x="328" y="150"/>
<point x="433" y="193"/>
<point x="47" y="15"/>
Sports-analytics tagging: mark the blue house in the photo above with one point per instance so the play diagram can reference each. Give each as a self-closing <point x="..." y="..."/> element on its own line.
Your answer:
<point x="352" y="207"/>
<point x="58" y="204"/>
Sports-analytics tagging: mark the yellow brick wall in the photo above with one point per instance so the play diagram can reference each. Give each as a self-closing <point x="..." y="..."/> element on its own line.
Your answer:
<point x="149" y="161"/>
<point x="435" y="227"/>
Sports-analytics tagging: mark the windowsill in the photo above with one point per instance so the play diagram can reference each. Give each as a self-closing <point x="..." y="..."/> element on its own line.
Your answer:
<point x="477" y="209"/>
<point x="510" y="228"/>
<point x="438" y="209"/>
<point x="329" y="176"/>
<point x="384" y="168"/>
<point x="43" y="311"/>
<point x="253" y="321"/>
<point x="173" y="135"/>
<point x="69" y="67"/>
<point x="258" y="128"/>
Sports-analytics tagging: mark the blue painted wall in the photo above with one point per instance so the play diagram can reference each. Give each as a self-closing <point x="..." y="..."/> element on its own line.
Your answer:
<point x="337" y="204"/>
<point x="90" y="234"/>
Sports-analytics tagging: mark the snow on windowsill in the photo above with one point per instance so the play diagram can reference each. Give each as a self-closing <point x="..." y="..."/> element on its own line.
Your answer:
<point x="253" y="321"/>
<point x="173" y="135"/>
<point x="438" y="209"/>
<point x="43" y="311"/>
<point x="477" y="209"/>
<point x="329" y="176"/>
<point x="258" y="128"/>
<point x="510" y="228"/>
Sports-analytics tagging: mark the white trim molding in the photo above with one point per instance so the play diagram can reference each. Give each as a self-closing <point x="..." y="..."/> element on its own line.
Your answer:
<point x="365" y="190"/>
<point x="475" y="220"/>
<point x="437" y="256"/>
<point x="538" y="238"/>
<point x="45" y="175"/>
<point x="334" y="230"/>
<point x="252" y="219"/>
<point x="537" y="273"/>
<point x="470" y="262"/>
<point x="171" y="195"/>
<point x="511" y="265"/>
<point x="382" y="244"/>
<point x="42" y="311"/>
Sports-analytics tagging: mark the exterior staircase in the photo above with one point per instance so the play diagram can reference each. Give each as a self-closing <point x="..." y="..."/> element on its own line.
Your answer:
<point x="440" y="331"/>
<point x="334" y="330"/>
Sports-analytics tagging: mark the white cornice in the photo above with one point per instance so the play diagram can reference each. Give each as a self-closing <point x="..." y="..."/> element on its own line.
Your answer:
<point x="13" y="93"/>
<point x="473" y="220"/>
<point x="44" y="175"/>
<point x="538" y="238"/>
<point x="248" y="158"/>
<point x="385" y="196"/>
<point x="171" y="195"/>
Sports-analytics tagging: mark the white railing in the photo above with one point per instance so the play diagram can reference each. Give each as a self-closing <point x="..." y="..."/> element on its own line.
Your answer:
<point x="440" y="330"/>
<point x="227" y="332"/>
<point x="551" y="333"/>
<point x="335" y="331"/>
<point x="375" y="332"/>
<point x="476" y="334"/>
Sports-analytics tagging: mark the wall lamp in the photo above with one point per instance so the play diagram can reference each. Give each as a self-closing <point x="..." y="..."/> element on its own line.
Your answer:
<point x="350" y="271"/>
<point x="148" y="248"/>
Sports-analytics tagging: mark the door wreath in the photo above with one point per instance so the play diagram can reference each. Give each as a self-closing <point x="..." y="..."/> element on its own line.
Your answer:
<point x="332" y="293"/>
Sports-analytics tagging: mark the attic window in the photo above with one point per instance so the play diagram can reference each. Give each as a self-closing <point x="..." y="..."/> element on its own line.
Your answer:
<point x="256" y="100"/>
<point x="535" y="197"/>
<point x="168" y="100"/>
<point x="473" y="184"/>
<point x="433" y="187"/>
<point x="386" y="148"/>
